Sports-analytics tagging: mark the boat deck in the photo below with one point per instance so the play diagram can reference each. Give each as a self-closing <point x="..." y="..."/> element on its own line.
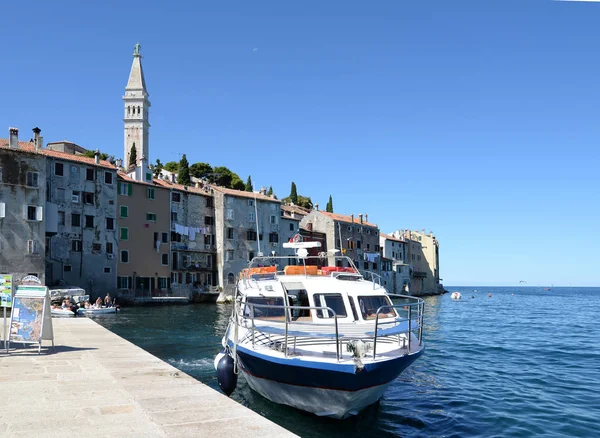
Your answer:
<point x="95" y="383"/>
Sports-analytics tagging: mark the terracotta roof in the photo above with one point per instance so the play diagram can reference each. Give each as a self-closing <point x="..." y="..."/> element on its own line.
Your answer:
<point x="390" y="237"/>
<point x="30" y="148"/>
<point x="348" y="219"/>
<point x="180" y="187"/>
<point x="295" y="209"/>
<point x="122" y="175"/>
<point x="244" y="194"/>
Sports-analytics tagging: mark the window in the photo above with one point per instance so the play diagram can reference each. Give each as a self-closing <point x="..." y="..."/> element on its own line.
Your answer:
<point x="207" y="239"/>
<point x="110" y="223"/>
<point x="89" y="221"/>
<point x="333" y="301"/>
<point x="291" y="227"/>
<point x="374" y="266"/>
<point x="124" y="256"/>
<point x="209" y="220"/>
<point x="107" y="269"/>
<point x="108" y="177"/>
<point x="210" y="202"/>
<point x="369" y="306"/>
<point x="176" y="197"/>
<point x="90" y="174"/>
<point x="165" y="238"/>
<point x="368" y="246"/>
<point x="124" y="282"/>
<point x="75" y="220"/>
<point x="67" y="268"/>
<point x="96" y="247"/>
<point x="175" y="237"/>
<point x="173" y="216"/>
<point x="151" y="217"/>
<point x="76" y="245"/>
<point x="273" y="219"/>
<point x="31" y="212"/>
<point x="230" y="214"/>
<point x="125" y="189"/>
<point x="358" y="244"/>
<point x="124" y="211"/>
<point x="32" y="247"/>
<point x="109" y="248"/>
<point x="88" y="198"/>
<point x="229" y="255"/>
<point x="251" y="217"/>
<point x="250" y="203"/>
<point x="273" y="237"/>
<point x="230" y="233"/>
<point x="350" y="244"/>
<point x="124" y="233"/>
<point x="163" y="283"/>
<point x="151" y="193"/>
<point x="148" y="176"/>
<point x="164" y="259"/>
<point x="60" y="194"/>
<point x="250" y="256"/>
<point x="75" y="197"/>
<point x="33" y="179"/>
<point x="366" y="265"/>
<point x="59" y="169"/>
<point x="251" y="235"/>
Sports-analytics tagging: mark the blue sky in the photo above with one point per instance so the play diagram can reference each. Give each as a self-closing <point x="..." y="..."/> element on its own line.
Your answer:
<point x="476" y="119"/>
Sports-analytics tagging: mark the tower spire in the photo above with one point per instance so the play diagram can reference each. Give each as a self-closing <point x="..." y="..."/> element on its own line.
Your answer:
<point x="136" y="115"/>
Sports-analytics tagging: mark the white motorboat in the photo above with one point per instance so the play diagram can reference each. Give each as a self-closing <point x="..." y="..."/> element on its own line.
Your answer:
<point x="93" y="311"/>
<point x="455" y="296"/>
<point x="317" y="335"/>
<point x="60" y="312"/>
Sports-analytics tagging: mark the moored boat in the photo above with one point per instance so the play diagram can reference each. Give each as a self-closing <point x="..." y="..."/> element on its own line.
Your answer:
<point x="313" y="333"/>
<point x="60" y="312"/>
<point x="93" y="311"/>
<point x="455" y="296"/>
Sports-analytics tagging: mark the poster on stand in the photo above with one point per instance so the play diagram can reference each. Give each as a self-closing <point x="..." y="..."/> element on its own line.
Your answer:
<point x="6" y="292"/>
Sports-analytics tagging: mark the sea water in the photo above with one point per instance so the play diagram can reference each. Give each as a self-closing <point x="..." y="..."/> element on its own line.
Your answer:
<point x="521" y="362"/>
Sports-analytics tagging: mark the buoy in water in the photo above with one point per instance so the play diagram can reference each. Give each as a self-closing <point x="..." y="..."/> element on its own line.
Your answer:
<point x="490" y="295"/>
<point x="226" y="376"/>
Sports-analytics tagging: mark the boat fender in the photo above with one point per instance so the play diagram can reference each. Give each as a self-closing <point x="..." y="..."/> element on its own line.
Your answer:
<point x="226" y="375"/>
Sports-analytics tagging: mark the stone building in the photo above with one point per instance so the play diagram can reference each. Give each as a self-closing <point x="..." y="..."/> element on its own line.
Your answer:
<point x="193" y="249"/>
<point x="81" y="224"/>
<point x="246" y="223"/>
<point x="355" y="237"/>
<point x="291" y="215"/>
<point x="423" y="255"/>
<point x="395" y="269"/>
<point x="144" y="225"/>
<point x="22" y="207"/>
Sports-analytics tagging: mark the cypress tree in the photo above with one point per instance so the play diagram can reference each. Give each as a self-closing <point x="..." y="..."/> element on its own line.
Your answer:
<point x="133" y="155"/>
<point x="249" y="187"/>
<point x="294" y="194"/>
<point x="270" y="192"/>
<point x="329" y="207"/>
<point x="183" y="177"/>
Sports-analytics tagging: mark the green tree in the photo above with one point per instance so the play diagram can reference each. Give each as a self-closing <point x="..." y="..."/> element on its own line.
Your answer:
<point x="304" y="201"/>
<point x="183" y="176"/>
<point x="270" y="192"/>
<point x="236" y="182"/>
<point x="172" y="166"/>
<point x="201" y="170"/>
<point x="329" y="207"/>
<point x="158" y="167"/>
<point x="133" y="155"/>
<point x="221" y="176"/>
<point x="92" y="154"/>
<point x="248" y="186"/>
<point x="294" y="194"/>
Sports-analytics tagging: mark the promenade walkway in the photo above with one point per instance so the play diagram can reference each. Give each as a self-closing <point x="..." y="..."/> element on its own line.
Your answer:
<point x="95" y="383"/>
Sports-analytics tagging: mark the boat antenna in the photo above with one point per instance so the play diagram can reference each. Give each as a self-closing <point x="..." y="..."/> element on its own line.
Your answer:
<point x="259" y="254"/>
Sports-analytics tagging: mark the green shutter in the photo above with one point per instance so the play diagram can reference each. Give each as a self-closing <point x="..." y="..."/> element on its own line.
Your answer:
<point x="129" y="189"/>
<point x="124" y="233"/>
<point x="119" y="188"/>
<point x="124" y="211"/>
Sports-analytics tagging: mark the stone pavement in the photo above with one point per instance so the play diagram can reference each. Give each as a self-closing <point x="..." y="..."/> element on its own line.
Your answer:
<point x="95" y="383"/>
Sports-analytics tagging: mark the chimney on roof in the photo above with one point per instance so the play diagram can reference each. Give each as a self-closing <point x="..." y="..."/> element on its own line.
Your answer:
<point x="173" y="178"/>
<point x="366" y="217"/>
<point x="352" y="218"/>
<point x="119" y="163"/>
<point x="317" y="207"/>
<point x="13" y="138"/>
<point x="360" y="217"/>
<point x="37" y="140"/>
<point x="97" y="156"/>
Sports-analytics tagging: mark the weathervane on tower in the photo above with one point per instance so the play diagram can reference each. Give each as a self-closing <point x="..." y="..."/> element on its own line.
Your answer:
<point x="136" y="49"/>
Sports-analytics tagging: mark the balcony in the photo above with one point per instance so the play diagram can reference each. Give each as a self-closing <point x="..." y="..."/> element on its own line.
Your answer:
<point x="419" y="274"/>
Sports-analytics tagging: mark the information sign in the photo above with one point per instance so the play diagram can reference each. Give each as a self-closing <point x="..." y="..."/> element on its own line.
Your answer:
<point x="31" y="321"/>
<point x="6" y="284"/>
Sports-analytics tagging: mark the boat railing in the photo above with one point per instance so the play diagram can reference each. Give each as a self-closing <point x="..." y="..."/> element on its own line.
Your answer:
<point x="409" y="319"/>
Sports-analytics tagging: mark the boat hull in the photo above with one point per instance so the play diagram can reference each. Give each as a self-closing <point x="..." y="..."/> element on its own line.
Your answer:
<point x="92" y="312"/>
<point x="325" y="389"/>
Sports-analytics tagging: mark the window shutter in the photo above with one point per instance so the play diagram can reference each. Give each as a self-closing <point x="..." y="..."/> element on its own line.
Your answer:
<point x="119" y="187"/>
<point x="129" y="189"/>
<point x="39" y="213"/>
<point x="25" y="212"/>
<point x="2" y="209"/>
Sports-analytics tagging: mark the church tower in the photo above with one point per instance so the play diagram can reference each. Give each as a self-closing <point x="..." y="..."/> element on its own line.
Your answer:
<point x="136" y="113"/>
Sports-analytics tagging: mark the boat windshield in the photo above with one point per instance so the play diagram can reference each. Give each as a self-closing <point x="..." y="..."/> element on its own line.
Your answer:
<point x="333" y="301"/>
<point x="276" y="311"/>
<point x="369" y="305"/>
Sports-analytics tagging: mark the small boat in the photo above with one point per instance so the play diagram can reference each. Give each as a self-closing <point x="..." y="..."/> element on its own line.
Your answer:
<point x="93" y="311"/>
<point x="314" y="333"/>
<point x="456" y="296"/>
<point x="546" y="288"/>
<point x="62" y="313"/>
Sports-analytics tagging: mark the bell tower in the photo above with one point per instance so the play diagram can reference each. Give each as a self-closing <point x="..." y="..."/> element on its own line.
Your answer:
<point x="135" y="118"/>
